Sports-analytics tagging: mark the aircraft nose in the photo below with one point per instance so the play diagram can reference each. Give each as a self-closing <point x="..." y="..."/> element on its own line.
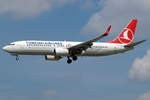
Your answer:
<point x="5" y="48"/>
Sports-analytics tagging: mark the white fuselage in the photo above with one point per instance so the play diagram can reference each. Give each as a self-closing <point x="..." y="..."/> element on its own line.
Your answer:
<point x="49" y="47"/>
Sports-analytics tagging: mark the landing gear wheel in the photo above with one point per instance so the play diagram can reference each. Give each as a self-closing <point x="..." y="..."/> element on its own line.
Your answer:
<point x="69" y="61"/>
<point x="74" y="58"/>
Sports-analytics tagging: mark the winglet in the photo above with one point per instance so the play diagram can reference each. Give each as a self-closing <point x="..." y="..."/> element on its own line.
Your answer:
<point x="107" y="31"/>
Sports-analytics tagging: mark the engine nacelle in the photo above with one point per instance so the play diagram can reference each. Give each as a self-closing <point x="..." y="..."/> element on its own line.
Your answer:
<point x="52" y="58"/>
<point x="61" y="52"/>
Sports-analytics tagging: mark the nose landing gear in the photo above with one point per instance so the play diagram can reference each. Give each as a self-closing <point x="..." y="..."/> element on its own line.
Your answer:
<point x="17" y="58"/>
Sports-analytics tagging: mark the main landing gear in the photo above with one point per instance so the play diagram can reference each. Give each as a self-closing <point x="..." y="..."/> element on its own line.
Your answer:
<point x="74" y="58"/>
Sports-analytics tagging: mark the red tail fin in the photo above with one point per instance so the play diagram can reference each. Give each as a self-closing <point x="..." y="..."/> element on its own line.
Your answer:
<point x="127" y="35"/>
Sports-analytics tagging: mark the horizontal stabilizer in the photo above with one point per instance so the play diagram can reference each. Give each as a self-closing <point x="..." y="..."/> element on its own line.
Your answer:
<point x="134" y="44"/>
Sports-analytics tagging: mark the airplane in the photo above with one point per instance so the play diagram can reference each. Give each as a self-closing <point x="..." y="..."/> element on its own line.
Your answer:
<point x="56" y="50"/>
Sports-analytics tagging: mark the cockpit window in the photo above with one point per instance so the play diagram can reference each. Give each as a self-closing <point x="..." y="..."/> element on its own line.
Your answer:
<point x="11" y="44"/>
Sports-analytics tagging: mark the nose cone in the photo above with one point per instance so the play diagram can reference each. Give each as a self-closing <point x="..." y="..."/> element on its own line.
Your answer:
<point x="6" y="48"/>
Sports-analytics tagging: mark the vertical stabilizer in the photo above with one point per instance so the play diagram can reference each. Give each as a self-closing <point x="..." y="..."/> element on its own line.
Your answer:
<point x="127" y="35"/>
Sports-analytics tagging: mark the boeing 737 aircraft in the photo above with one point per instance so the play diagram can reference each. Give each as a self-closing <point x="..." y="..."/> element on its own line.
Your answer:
<point x="56" y="50"/>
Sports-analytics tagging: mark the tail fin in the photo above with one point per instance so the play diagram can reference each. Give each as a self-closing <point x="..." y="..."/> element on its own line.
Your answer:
<point x="127" y="35"/>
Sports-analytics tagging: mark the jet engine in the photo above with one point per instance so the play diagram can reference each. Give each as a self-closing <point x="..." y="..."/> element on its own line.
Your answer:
<point x="52" y="57"/>
<point x="61" y="52"/>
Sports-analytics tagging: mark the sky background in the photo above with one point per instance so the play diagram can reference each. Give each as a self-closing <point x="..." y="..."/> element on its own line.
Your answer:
<point x="118" y="77"/>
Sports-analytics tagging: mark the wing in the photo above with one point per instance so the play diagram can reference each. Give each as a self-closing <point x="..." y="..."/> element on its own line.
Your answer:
<point x="77" y="49"/>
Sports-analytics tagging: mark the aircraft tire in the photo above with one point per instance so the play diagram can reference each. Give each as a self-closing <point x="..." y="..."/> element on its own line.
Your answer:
<point x="69" y="61"/>
<point x="75" y="58"/>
